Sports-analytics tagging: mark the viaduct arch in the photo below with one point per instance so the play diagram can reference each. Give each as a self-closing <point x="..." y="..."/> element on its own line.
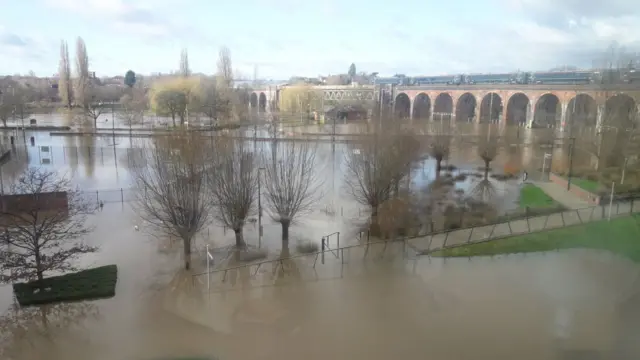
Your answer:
<point x="520" y="106"/>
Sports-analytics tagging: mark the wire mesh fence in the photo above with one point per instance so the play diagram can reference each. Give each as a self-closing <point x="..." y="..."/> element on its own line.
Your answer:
<point x="98" y="197"/>
<point x="522" y="225"/>
<point x="395" y="252"/>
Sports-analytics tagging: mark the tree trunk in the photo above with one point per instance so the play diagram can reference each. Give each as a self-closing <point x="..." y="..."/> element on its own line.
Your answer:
<point x="186" y="243"/>
<point x="374" y="227"/>
<point x="39" y="271"/>
<point x="285" y="231"/>
<point x="486" y="169"/>
<point x="438" y="164"/>
<point x="173" y="118"/>
<point x="95" y="123"/>
<point x="239" y="239"/>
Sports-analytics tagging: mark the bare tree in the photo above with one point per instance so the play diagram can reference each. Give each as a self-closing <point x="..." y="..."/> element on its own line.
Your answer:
<point x="488" y="146"/>
<point x="43" y="226"/>
<point x="133" y="107"/>
<point x="94" y="105"/>
<point x="185" y="70"/>
<point x="171" y="186"/>
<point x="8" y="99"/>
<point x="224" y="85"/>
<point x="225" y="72"/>
<point x="291" y="183"/>
<point x="212" y="102"/>
<point x="21" y="104"/>
<point x="65" y="87"/>
<point x="82" y="86"/>
<point x="172" y="103"/>
<point x="375" y="167"/>
<point x="233" y="182"/>
<point x="439" y="143"/>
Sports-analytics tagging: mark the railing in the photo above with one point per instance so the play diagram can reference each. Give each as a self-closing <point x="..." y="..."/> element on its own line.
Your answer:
<point x="121" y="195"/>
<point x="325" y="244"/>
<point x="280" y="262"/>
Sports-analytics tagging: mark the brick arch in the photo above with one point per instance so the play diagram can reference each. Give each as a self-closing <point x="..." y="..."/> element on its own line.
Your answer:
<point x="421" y="106"/>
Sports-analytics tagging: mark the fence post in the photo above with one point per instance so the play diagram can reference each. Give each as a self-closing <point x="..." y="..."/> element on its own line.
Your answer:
<point x="122" y="195"/>
<point x="338" y="240"/>
<point x="446" y="236"/>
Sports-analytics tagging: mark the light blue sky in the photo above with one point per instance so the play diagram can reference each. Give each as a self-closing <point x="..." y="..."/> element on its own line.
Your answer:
<point x="307" y="38"/>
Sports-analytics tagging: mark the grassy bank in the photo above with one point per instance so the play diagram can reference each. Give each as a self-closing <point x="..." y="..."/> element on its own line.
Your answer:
<point x="621" y="236"/>
<point x="532" y="196"/>
<point x="89" y="284"/>
<point x="586" y="184"/>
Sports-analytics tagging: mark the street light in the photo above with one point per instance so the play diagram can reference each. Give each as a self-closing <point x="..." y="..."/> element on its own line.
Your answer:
<point x="260" y="207"/>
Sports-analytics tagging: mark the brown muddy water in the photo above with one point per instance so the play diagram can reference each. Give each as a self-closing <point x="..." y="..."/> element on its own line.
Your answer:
<point x="387" y="304"/>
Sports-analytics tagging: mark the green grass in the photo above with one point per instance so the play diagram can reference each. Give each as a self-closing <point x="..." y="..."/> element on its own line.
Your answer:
<point x="96" y="283"/>
<point x="621" y="236"/>
<point x="532" y="196"/>
<point x="588" y="185"/>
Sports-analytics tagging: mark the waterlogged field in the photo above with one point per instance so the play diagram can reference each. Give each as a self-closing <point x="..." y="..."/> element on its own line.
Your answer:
<point x="365" y="302"/>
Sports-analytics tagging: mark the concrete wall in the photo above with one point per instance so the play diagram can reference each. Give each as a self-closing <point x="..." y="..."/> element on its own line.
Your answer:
<point x="576" y="190"/>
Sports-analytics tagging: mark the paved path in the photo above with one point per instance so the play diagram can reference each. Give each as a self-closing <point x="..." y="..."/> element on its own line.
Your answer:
<point x="425" y="244"/>
<point x="561" y="195"/>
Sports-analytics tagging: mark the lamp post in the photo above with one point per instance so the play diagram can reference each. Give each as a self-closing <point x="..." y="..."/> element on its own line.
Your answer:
<point x="260" y="207"/>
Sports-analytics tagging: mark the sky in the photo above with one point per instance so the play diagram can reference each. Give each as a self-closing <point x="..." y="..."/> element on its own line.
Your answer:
<point x="284" y="38"/>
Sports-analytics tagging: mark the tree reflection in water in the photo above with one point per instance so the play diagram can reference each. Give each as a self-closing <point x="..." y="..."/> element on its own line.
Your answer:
<point x="22" y="328"/>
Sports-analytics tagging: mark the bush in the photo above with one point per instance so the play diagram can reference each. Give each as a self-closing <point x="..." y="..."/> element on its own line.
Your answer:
<point x="96" y="283"/>
<point x="252" y="255"/>
<point x="307" y="247"/>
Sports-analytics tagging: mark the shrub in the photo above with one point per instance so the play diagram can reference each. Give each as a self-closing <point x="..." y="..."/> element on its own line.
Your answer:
<point x="307" y="247"/>
<point x="252" y="255"/>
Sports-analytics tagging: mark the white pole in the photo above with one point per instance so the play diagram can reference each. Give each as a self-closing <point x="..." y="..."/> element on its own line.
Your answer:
<point x="613" y="186"/>
<point x="544" y="164"/>
<point x="208" y="272"/>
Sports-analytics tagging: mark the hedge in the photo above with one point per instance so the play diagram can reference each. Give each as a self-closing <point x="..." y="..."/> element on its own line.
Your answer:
<point x="96" y="283"/>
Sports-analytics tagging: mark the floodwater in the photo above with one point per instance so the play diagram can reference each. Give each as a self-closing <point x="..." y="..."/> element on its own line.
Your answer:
<point x="371" y="302"/>
<point x="389" y="303"/>
<point x="101" y="163"/>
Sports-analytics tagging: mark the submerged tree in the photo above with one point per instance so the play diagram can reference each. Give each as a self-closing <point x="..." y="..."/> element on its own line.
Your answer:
<point x="375" y="166"/>
<point x="233" y="183"/>
<point x="439" y="143"/>
<point x="44" y="223"/>
<point x="171" y="194"/>
<point x="488" y="150"/>
<point x="291" y="181"/>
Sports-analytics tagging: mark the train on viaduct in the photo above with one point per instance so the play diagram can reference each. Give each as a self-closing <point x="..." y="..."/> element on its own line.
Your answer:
<point x="532" y="105"/>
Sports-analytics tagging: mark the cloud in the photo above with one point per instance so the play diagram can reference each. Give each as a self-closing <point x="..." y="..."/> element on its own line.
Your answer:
<point x="18" y="51"/>
<point x="146" y="18"/>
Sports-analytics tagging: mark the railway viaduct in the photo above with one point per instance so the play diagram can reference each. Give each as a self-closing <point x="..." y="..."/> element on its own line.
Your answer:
<point x="524" y="105"/>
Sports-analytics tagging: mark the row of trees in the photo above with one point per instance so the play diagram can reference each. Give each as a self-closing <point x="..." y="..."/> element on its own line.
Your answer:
<point x="174" y="96"/>
<point x="185" y="181"/>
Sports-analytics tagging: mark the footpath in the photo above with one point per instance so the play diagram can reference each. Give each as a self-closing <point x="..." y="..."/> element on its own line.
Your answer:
<point x="578" y="212"/>
<point x="561" y="195"/>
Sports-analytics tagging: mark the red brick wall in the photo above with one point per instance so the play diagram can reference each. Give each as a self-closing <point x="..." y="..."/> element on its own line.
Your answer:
<point x="44" y="202"/>
<point x="576" y="190"/>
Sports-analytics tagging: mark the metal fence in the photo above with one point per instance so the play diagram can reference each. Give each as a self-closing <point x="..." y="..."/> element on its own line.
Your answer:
<point x="396" y="251"/>
<point x="121" y="195"/>
<point x="530" y="224"/>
